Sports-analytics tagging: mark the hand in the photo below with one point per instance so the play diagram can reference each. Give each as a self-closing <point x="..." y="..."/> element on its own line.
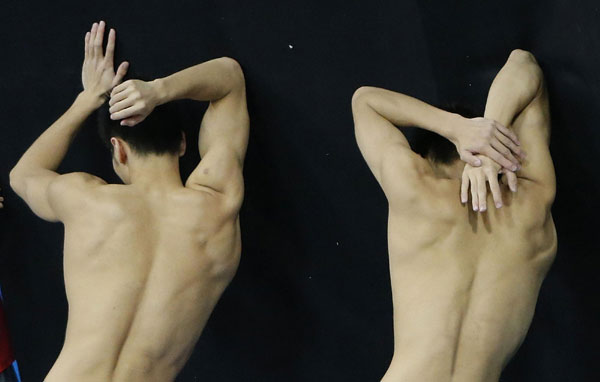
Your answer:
<point x="476" y="178"/>
<point x="490" y="138"/>
<point x="132" y="101"/>
<point x="98" y="75"/>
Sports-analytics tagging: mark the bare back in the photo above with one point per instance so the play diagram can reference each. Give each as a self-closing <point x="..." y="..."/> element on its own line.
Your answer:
<point x="142" y="274"/>
<point x="465" y="283"/>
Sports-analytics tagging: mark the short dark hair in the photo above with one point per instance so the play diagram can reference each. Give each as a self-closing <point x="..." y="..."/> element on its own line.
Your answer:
<point x="435" y="147"/>
<point x="159" y="133"/>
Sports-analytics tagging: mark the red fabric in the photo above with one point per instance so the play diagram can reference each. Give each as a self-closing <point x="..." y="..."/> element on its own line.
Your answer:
<point x="7" y="356"/>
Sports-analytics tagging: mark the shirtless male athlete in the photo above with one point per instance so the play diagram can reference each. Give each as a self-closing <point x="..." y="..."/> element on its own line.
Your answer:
<point x="465" y="278"/>
<point x="145" y="262"/>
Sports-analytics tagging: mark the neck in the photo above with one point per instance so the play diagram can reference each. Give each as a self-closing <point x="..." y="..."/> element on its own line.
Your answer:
<point x="155" y="172"/>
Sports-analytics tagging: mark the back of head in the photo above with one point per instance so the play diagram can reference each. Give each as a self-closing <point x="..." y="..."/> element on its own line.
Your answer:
<point x="159" y="133"/>
<point x="435" y="147"/>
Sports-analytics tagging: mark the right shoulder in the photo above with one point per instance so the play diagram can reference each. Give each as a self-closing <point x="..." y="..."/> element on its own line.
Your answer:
<point x="226" y="204"/>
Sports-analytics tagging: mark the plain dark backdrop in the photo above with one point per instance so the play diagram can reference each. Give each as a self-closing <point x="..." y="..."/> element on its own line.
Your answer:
<point x="311" y="300"/>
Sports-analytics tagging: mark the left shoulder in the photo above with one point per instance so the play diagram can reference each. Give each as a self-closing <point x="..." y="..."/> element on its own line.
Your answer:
<point x="76" y="179"/>
<point x="68" y="192"/>
<point x="408" y="180"/>
<point x="403" y="170"/>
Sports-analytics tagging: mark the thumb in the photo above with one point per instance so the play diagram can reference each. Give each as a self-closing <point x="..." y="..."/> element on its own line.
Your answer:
<point x="121" y="71"/>
<point x="132" y="120"/>
<point x="470" y="159"/>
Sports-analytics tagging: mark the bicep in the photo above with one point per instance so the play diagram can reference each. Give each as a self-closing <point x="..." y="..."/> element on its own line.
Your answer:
<point x="374" y="134"/>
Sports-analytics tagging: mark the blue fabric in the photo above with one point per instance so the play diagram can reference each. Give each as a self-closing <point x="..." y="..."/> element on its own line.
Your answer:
<point x="11" y="374"/>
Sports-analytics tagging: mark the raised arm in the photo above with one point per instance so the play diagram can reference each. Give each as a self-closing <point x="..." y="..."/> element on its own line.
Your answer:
<point x="34" y="177"/>
<point x="224" y="129"/>
<point x="377" y="112"/>
<point x="518" y="99"/>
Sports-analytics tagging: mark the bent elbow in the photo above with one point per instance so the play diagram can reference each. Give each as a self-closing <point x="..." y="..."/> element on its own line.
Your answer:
<point x="522" y="55"/>
<point x="526" y="68"/>
<point x="16" y="181"/>
<point x="235" y="70"/>
<point x="361" y="96"/>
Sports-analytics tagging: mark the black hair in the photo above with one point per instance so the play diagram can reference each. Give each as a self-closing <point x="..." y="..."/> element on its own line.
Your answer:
<point x="435" y="147"/>
<point x="159" y="133"/>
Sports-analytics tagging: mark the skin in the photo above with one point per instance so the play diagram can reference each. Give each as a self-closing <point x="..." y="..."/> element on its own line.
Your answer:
<point x="465" y="279"/>
<point x="144" y="262"/>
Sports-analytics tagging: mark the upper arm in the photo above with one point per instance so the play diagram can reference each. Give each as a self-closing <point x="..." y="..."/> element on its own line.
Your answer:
<point x="51" y="196"/>
<point x="385" y="149"/>
<point x="375" y="135"/>
<point x="518" y="98"/>
<point x="532" y="126"/>
<point x="222" y="143"/>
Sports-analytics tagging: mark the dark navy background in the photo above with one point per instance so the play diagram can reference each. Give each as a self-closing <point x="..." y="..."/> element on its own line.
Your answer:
<point x="311" y="300"/>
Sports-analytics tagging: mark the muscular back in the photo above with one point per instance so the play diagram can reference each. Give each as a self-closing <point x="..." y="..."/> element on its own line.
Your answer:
<point x="143" y="272"/>
<point x="465" y="283"/>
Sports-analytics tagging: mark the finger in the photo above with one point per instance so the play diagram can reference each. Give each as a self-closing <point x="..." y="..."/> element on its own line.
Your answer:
<point x="464" y="188"/>
<point x="119" y="88"/>
<point x="93" y="38"/>
<point x="98" y="40"/>
<point x="481" y="192"/>
<point x="490" y="152"/>
<point x="495" y="188"/>
<point x="110" y="48"/>
<point x="121" y="71"/>
<point x="122" y="105"/>
<point x="470" y="159"/>
<point x="125" y="113"/>
<point x="87" y="45"/>
<point x="505" y="152"/>
<point x="508" y="133"/>
<point x="509" y="144"/>
<point x="120" y="96"/>
<point x="132" y="121"/>
<point x="511" y="177"/>
<point x="474" y="197"/>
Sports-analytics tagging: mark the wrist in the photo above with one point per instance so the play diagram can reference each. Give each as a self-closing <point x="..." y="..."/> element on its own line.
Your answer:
<point x="452" y="124"/>
<point x="160" y="91"/>
<point x="90" y="101"/>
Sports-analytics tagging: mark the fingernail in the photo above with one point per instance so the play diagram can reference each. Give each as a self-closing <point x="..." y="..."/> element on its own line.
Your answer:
<point x="498" y="205"/>
<point x="483" y="209"/>
<point x="514" y="168"/>
<point x="474" y="208"/>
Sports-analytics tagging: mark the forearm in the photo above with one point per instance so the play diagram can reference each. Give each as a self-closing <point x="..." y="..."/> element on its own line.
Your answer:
<point x="208" y="81"/>
<point x="49" y="149"/>
<point x="513" y="88"/>
<point x="403" y="110"/>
